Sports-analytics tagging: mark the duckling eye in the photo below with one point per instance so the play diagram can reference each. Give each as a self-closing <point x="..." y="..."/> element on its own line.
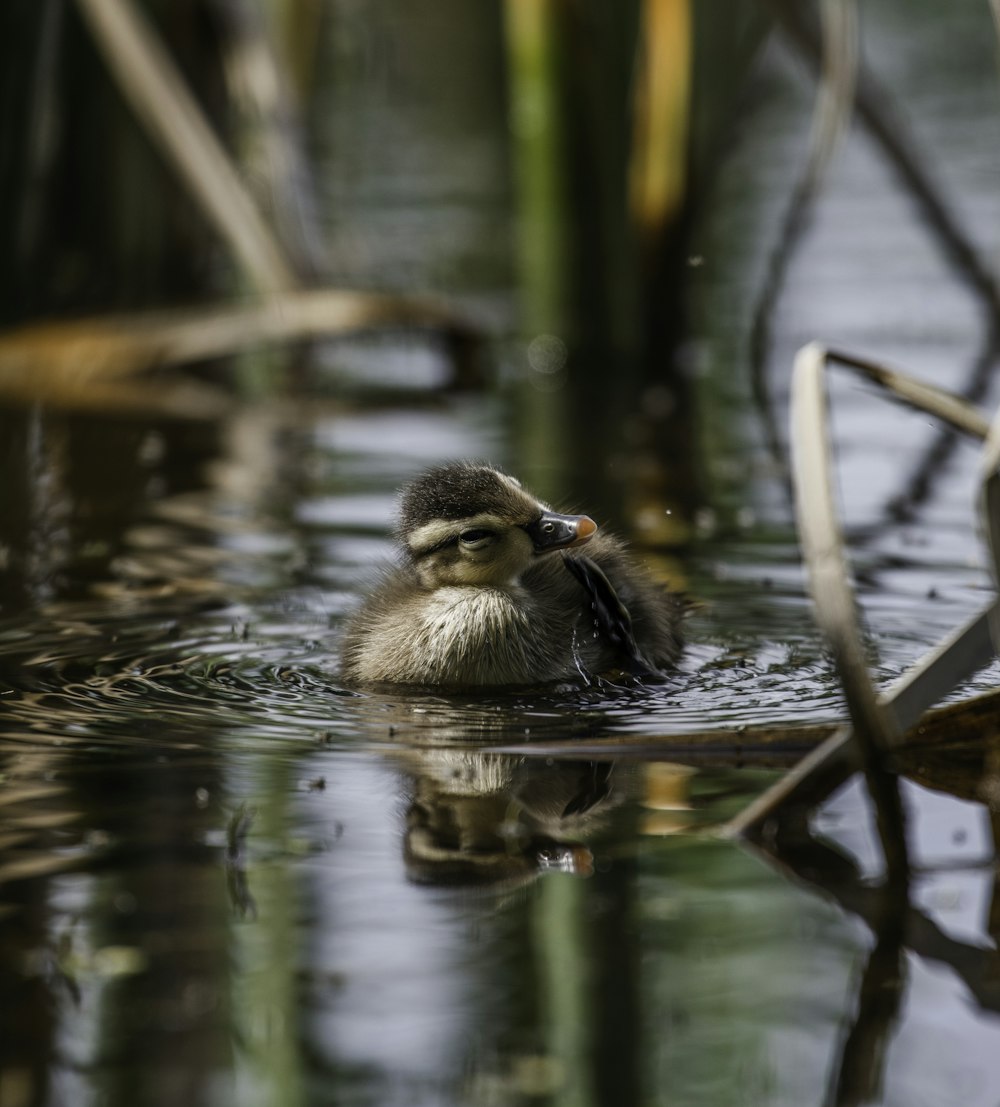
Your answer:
<point x="476" y="536"/>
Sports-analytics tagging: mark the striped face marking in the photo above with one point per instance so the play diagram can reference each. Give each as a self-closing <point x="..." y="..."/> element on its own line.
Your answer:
<point x="465" y="524"/>
<point x="440" y="533"/>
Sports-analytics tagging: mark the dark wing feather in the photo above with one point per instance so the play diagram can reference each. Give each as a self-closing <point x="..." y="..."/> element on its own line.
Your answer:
<point x="611" y="617"/>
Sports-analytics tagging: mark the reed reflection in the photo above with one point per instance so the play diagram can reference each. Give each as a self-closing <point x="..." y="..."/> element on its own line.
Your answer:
<point x="895" y="908"/>
<point x="113" y="928"/>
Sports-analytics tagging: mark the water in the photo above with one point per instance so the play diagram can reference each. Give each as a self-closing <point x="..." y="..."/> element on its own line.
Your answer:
<point x="225" y="878"/>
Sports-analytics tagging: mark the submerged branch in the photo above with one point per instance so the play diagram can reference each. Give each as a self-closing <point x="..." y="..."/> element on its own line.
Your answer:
<point x="777" y="743"/>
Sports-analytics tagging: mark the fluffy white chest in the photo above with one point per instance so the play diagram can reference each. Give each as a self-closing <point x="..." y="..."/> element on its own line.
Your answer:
<point x="482" y="634"/>
<point x="465" y="635"/>
<point x="455" y="616"/>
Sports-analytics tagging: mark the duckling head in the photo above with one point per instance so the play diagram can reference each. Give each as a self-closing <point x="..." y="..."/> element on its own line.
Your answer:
<point x="466" y="523"/>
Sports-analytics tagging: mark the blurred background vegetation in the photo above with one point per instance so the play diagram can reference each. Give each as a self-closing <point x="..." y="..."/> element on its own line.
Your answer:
<point x="588" y="209"/>
<point x="189" y="181"/>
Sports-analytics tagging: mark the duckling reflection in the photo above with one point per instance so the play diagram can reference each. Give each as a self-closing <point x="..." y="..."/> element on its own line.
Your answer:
<point x="480" y="600"/>
<point x="485" y="819"/>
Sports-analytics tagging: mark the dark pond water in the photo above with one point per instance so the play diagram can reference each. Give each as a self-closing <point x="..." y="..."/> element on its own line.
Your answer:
<point x="226" y="879"/>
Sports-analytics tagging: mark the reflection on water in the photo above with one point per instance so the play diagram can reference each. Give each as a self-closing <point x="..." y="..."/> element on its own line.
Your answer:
<point x="450" y="925"/>
<point x="226" y="878"/>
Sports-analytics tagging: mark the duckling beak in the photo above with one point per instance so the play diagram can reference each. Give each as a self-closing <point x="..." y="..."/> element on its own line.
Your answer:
<point x="557" y="532"/>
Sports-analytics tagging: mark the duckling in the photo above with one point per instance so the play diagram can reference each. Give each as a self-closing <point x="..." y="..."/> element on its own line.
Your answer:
<point x="482" y="597"/>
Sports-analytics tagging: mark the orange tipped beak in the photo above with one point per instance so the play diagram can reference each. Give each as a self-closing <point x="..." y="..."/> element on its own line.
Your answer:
<point x="557" y="532"/>
<point x="585" y="528"/>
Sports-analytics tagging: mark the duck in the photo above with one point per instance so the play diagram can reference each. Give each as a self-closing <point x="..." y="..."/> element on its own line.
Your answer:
<point x="493" y="589"/>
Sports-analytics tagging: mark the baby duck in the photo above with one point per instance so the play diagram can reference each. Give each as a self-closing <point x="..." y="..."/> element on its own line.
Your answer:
<point x="482" y="599"/>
